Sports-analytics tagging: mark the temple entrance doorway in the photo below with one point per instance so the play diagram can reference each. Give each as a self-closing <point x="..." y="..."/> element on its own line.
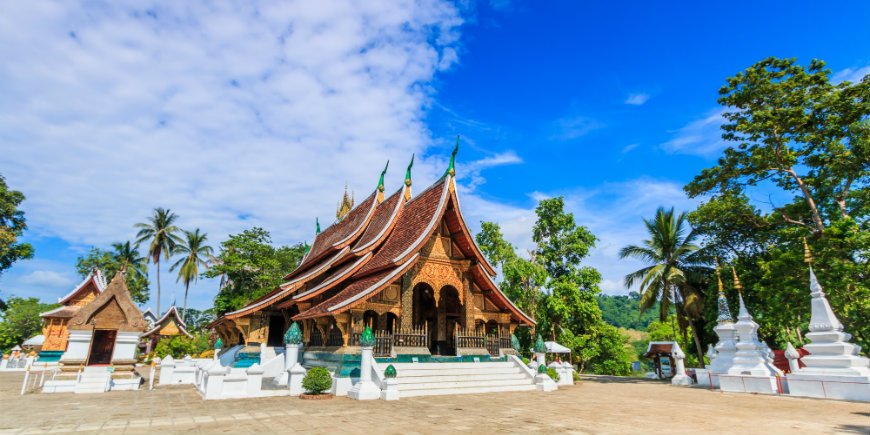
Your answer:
<point x="276" y="331"/>
<point x="426" y="313"/>
<point x="452" y="309"/>
<point x="102" y="346"/>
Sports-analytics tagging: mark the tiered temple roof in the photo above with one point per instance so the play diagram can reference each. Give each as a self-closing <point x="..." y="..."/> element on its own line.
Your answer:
<point x="86" y="291"/>
<point x="372" y="246"/>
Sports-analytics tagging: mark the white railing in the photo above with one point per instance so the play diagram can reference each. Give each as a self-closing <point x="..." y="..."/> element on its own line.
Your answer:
<point x="35" y="374"/>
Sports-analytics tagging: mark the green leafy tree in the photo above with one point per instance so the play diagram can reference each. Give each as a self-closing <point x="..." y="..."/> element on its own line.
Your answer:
<point x="624" y="311"/>
<point x="667" y="330"/>
<point x="560" y="292"/>
<point x="796" y="130"/>
<point x="794" y="134"/>
<point x="194" y="253"/>
<point x="20" y="320"/>
<point x="161" y="235"/>
<point x="12" y="226"/>
<point x="197" y="320"/>
<point x="110" y="262"/>
<point x="672" y="275"/>
<point x="251" y="266"/>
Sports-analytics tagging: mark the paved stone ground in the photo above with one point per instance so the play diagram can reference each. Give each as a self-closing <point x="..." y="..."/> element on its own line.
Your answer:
<point x="595" y="406"/>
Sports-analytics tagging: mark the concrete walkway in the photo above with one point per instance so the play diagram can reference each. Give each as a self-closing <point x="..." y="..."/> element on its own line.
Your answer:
<point x="597" y="406"/>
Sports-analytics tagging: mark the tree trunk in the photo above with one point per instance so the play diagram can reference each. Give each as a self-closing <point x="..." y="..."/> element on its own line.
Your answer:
<point x="817" y="218"/>
<point x="158" y="289"/>
<point x="184" y="310"/>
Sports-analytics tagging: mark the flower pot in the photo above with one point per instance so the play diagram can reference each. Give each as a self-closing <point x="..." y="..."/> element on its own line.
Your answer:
<point x="322" y="396"/>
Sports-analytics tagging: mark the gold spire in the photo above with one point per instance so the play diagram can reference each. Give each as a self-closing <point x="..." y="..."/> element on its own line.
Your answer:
<point x="808" y="256"/>
<point x="719" y="277"/>
<point x="737" y="283"/>
<point x="345" y="205"/>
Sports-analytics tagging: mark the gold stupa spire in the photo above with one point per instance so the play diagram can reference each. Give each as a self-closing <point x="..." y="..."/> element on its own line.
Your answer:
<point x="719" y="278"/>
<point x="345" y="205"/>
<point x="808" y="256"/>
<point x="737" y="283"/>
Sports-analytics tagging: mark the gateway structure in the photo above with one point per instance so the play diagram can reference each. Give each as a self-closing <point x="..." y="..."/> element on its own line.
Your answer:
<point x="405" y="266"/>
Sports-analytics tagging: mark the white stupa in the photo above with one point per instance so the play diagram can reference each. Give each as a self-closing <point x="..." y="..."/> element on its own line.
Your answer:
<point x="722" y="356"/>
<point x="834" y="368"/>
<point x="752" y="370"/>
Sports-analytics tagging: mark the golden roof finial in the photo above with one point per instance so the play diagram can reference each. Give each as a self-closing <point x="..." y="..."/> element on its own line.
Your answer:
<point x="345" y="206"/>
<point x="737" y="283"/>
<point x="719" y="277"/>
<point x="808" y="256"/>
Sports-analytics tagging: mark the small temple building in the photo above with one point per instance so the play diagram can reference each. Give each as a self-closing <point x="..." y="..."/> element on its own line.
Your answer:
<point x="169" y="325"/>
<point x="405" y="265"/>
<point x="55" y="322"/>
<point x="105" y="330"/>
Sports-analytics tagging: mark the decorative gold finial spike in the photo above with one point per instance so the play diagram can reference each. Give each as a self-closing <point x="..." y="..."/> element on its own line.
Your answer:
<point x="737" y="283"/>
<point x="808" y="256"/>
<point x="719" y="277"/>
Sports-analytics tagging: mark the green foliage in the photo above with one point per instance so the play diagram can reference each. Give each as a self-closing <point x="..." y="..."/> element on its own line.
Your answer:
<point x="110" y="262"/>
<point x="180" y="346"/>
<point x="553" y="374"/>
<point x="557" y="290"/>
<point x="251" y="267"/>
<point x="317" y="380"/>
<point x="668" y="330"/>
<point x="194" y="255"/>
<point x="794" y="134"/>
<point x="197" y="320"/>
<point x="624" y="311"/>
<point x="20" y="320"/>
<point x="673" y="275"/>
<point x="12" y="226"/>
<point x="161" y="235"/>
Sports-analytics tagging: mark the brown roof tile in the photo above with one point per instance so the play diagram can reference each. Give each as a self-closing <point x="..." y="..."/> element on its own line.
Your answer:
<point x="379" y="227"/>
<point x="409" y="230"/>
<point x="339" y="234"/>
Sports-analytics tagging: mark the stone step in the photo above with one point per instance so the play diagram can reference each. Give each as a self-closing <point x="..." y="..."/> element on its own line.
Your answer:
<point x="461" y="378"/>
<point x="465" y="384"/>
<point x="456" y="365"/>
<point x="466" y="390"/>
<point x="468" y="371"/>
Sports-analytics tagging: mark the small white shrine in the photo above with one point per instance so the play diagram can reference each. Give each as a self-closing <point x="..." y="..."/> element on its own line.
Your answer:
<point x="753" y="370"/>
<point x="722" y="356"/>
<point x="834" y="369"/>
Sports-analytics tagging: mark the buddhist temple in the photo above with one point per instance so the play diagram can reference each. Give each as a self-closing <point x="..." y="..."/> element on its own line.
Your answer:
<point x="55" y="322"/>
<point x="169" y="325"/>
<point x="405" y="265"/>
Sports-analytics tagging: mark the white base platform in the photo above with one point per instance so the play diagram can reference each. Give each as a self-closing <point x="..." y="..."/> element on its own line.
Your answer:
<point x="706" y="378"/>
<point x="829" y="387"/>
<point x="749" y="384"/>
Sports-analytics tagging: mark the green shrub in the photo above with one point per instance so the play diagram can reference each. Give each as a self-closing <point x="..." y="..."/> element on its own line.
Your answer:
<point x="317" y="380"/>
<point x="178" y="346"/>
<point x="551" y="372"/>
<point x="526" y="361"/>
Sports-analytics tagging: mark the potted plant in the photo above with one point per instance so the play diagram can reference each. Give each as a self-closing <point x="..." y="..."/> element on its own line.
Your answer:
<point x="316" y="381"/>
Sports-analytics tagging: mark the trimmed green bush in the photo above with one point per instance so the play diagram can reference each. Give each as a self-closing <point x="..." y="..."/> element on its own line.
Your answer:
<point x="526" y="361"/>
<point x="553" y="374"/>
<point x="317" y="380"/>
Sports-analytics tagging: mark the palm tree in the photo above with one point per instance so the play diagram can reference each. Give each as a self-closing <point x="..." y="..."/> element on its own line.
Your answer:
<point x="194" y="252"/>
<point x="161" y="235"/>
<point x="128" y="255"/>
<point x="670" y="276"/>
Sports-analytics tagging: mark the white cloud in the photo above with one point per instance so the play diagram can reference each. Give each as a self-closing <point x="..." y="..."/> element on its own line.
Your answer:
<point x="628" y="148"/>
<point x="853" y="75"/>
<point x="701" y="137"/>
<point x="231" y="114"/>
<point x="47" y="278"/>
<point x="573" y="127"/>
<point x="638" y="99"/>
<point x="612" y="211"/>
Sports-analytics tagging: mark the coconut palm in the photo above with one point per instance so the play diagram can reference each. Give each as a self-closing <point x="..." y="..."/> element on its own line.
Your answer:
<point x="128" y="256"/>
<point x="194" y="253"/>
<point x="671" y="273"/>
<point x="161" y="235"/>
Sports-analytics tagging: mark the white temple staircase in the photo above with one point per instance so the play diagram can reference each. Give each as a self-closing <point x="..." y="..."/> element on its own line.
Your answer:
<point x="93" y="380"/>
<point x="428" y="379"/>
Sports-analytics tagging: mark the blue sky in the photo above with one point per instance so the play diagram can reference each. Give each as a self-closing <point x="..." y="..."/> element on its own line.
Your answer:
<point x="258" y="113"/>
